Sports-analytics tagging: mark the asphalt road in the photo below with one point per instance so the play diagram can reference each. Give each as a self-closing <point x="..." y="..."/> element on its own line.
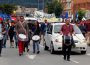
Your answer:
<point x="10" y="57"/>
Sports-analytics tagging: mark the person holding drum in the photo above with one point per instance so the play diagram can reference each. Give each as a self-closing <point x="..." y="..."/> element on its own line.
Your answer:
<point x="36" y="38"/>
<point x="22" y="33"/>
<point x="67" y="30"/>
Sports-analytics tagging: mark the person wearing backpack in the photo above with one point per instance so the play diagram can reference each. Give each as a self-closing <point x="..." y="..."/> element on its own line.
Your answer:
<point x="67" y="31"/>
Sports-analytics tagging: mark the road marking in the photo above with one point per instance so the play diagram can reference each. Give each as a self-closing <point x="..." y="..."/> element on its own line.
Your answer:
<point x="74" y="61"/>
<point x="88" y="54"/>
<point x="31" y="56"/>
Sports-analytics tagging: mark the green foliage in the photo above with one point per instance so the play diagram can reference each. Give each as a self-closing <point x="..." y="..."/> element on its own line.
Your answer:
<point x="7" y="8"/>
<point x="50" y="8"/>
<point x="55" y="7"/>
<point x="81" y="14"/>
<point x="58" y="10"/>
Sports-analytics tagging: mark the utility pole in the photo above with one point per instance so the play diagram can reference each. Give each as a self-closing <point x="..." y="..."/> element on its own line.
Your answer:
<point x="38" y="4"/>
<point x="43" y="5"/>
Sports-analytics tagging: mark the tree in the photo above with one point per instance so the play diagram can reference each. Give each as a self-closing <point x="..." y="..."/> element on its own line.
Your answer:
<point x="81" y="14"/>
<point x="58" y="9"/>
<point x="50" y="8"/>
<point x="7" y="8"/>
<point x="55" y="7"/>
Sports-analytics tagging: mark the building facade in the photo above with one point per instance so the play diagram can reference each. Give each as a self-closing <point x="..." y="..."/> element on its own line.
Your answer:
<point x="82" y="4"/>
<point x="27" y="3"/>
<point x="67" y="6"/>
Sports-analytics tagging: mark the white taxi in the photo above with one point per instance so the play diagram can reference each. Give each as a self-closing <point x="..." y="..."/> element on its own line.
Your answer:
<point x="53" y="39"/>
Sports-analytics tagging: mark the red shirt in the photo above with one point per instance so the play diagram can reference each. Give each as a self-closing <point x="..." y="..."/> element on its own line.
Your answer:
<point x="67" y="29"/>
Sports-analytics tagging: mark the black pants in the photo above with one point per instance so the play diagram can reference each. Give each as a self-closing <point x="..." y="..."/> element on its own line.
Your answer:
<point x="66" y="51"/>
<point x="26" y="46"/>
<point x="1" y="43"/>
<point x="11" y="38"/>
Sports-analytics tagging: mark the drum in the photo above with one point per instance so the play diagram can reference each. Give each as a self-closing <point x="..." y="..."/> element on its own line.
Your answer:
<point x="67" y="40"/>
<point x="22" y="37"/>
<point x="36" y="38"/>
<point x="1" y="36"/>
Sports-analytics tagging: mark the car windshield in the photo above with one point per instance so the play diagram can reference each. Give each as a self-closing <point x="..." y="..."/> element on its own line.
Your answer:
<point x="57" y="29"/>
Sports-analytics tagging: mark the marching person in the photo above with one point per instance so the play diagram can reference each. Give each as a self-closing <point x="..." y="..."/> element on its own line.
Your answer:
<point x="67" y="31"/>
<point x="4" y="36"/>
<point x="1" y="37"/>
<point x="11" y="33"/>
<point x="83" y="28"/>
<point x="36" y="42"/>
<point x="21" y="28"/>
<point x="43" y="29"/>
<point x="7" y="26"/>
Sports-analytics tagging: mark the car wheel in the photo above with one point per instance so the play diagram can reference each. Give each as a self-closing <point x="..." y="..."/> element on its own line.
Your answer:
<point x="51" y="49"/>
<point x="83" y="52"/>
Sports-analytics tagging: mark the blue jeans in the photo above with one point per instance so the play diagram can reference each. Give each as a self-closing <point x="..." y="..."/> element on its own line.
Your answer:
<point x="4" y="41"/>
<point x="16" y="40"/>
<point x="35" y="44"/>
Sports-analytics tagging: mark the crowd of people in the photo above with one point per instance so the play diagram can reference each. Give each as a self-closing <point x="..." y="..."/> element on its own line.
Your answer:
<point x="20" y="33"/>
<point x="15" y="30"/>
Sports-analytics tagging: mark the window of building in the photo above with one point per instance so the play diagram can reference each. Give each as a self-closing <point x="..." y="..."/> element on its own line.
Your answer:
<point x="69" y="5"/>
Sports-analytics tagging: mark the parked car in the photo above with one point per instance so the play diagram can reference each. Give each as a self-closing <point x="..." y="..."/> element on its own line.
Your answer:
<point x="53" y="39"/>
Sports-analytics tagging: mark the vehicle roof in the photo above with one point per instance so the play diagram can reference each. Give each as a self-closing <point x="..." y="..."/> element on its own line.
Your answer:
<point x="30" y="18"/>
<point x="60" y="23"/>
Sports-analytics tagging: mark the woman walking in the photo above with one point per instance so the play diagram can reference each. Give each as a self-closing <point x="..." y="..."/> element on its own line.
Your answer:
<point x="36" y="42"/>
<point x="11" y="34"/>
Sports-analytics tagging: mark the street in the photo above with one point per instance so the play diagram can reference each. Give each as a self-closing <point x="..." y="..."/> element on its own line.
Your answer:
<point x="10" y="57"/>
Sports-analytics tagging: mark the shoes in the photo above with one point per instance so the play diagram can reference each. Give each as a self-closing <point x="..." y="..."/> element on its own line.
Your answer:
<point x="4" y="47"/>
<point x="38" y="52"/>
<point x="24" y="50"/>
<point x="20" y="54"/>
<point x="27" y="50"/>
<point x="0" y="55"/>
<point x="68" y="59"/>
<point x="11" y="46"/>
<point x="64" y="58"/>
